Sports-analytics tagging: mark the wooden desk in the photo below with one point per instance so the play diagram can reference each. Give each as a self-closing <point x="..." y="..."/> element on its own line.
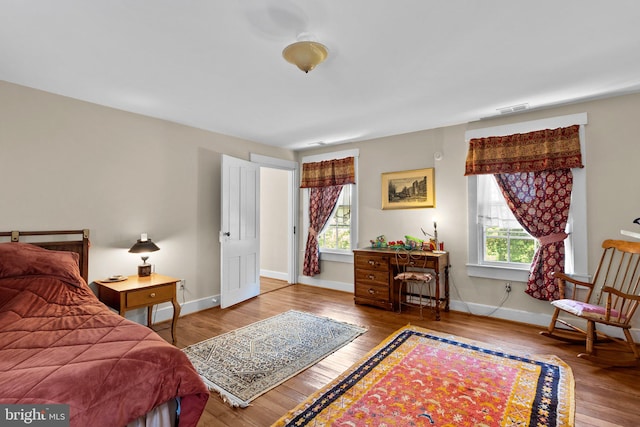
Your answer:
<point x="139" y="292"/>
<point x="374" y="271"/>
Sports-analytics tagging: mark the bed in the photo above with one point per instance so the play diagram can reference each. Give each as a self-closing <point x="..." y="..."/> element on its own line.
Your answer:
<point x="60" y="345"/>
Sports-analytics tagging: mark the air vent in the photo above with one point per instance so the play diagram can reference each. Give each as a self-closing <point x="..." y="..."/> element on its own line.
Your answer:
<point x="513" y="108"/>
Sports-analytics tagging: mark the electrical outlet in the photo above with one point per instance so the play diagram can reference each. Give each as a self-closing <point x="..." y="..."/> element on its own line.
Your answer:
<point x="507" y="287"/>
<point x="182" y="285"/>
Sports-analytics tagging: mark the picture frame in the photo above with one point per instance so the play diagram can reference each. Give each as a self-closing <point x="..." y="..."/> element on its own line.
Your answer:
<point x="408" y="189"/>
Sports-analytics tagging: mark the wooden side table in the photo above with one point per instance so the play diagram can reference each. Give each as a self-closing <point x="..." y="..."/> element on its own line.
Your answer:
<point x="139" y="292"/>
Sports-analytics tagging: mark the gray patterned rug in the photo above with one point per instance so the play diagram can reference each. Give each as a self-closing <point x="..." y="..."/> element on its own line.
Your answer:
<point x="247" y="362"/>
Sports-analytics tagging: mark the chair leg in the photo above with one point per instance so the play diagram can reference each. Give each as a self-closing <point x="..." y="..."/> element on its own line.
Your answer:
<point x="554" y="319"/>
<point x="552" y="324"/>
<point x="632" y="344"/>
<point x="420" y="292"/>
<point x="591" y="335"/>
<point x="605" y="357"/>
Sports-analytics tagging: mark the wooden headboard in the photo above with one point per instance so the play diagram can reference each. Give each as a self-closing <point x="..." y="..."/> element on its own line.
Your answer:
<point x="63" y="240"/>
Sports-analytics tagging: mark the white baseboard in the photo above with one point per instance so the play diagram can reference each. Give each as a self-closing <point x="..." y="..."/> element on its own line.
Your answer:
<point x="521" y="316"/>
<point x="164" y="311"/>
<point x="278" y="275"/>
<point x="539" y="319"/>
<point x="336" y="286"/>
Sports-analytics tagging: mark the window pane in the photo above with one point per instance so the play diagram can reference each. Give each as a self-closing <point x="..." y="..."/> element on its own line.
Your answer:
<point x="505" y="241"/>
<point x="337" y="233"/>
<point x="508" y="245"/>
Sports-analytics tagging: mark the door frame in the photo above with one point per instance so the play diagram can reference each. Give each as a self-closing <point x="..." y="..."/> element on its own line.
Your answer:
<point x="293" y="172"/>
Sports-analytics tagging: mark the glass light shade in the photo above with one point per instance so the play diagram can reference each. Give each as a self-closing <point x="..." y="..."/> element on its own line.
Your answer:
<point x="306" y="55"/>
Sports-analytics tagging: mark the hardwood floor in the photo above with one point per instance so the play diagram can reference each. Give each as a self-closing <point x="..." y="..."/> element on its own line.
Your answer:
<point x="268" y="284"/>
<point x="604" y="396"/>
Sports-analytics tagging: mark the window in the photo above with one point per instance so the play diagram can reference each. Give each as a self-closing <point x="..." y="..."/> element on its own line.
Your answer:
<point x="340" y="236"/>
<point x="504" y="241"/>
<point x="336" y="235"/>
<point x="498" y="246"/>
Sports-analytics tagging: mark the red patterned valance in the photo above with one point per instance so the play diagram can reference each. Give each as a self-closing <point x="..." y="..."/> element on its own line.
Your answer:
<point x="328" y="173"/>
<point x="548" y="149"/>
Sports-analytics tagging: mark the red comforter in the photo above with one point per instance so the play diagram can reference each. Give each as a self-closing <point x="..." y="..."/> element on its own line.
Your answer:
<point x="59" y="344"/>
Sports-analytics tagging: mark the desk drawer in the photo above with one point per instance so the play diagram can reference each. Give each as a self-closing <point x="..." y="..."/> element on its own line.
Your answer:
<point x="372" y="277"/>
<point x="418" y="263"/>
<point x="372" y="262"/>
<point x="372" y="292"/>
<point x="150" y="296"/>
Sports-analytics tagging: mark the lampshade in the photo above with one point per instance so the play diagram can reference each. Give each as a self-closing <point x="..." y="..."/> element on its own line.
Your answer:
<point x="141" y="247"/>
<point x="144" y="246"/>
<point x="306" y="55"/>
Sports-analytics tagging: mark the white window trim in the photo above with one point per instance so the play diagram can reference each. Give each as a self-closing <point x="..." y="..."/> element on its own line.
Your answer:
<point x="334" y="255"/>
<point x="578" y="202"/>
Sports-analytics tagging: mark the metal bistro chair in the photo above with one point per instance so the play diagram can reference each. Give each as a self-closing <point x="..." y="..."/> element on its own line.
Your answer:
<point x="414" y="280"/>
<point x="616" y="283"/>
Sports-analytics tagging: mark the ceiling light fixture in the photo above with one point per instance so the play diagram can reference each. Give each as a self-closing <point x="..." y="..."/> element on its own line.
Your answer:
<point x="305" y="54"/>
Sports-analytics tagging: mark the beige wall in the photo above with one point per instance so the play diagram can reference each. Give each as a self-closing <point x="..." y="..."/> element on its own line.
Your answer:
<point x="274" y="222"/>
<point x="72" y="164"/>
<point x="613" y="200"/>
<point x="68" y="164"/>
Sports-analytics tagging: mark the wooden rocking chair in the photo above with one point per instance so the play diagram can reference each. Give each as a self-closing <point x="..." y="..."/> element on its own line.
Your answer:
<point x="617" y="286"/>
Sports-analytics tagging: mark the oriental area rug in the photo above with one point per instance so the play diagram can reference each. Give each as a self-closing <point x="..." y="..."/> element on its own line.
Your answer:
<point x="247" y="362"/>
<point x="418" y="377"/>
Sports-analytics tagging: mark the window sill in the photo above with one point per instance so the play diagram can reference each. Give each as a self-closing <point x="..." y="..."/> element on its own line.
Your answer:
<point x="498" y="273"/>
<point x="511" y="274"/>
<point x="346" y="257"/>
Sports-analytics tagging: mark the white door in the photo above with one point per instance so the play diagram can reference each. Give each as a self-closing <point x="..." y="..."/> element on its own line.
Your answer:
<point x="239" y="231"/>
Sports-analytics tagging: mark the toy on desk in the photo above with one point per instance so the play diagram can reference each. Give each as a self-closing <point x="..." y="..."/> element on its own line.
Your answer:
<point x="436" y="247"/>
<point x="380" y="242"/>
<point x="413" y="242"/>
<point x="396" y="244"/>
<point x="429" y="245"/>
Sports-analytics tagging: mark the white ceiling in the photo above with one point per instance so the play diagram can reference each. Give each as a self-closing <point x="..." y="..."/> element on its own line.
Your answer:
<point x="393" y="67"/>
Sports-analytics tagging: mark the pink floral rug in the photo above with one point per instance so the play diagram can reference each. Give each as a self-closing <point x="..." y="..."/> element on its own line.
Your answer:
<point x="418" y="377"/>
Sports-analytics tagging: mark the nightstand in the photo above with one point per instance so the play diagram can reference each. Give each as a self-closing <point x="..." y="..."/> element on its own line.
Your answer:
<point x="139" y="292"/>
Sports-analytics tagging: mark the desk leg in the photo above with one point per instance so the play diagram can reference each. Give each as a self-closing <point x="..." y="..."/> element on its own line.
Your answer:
<point x="149" y="312"/>
<point x="446" y="287"/>
<point x="174" y="321"/>
<point x="437" y="295"/>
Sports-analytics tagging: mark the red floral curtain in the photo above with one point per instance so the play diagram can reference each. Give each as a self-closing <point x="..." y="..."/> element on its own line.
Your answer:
<point x="325" y="180"/>
<point x="322" y="200"/>
<point x="540" y="202"/>
<point x="533" y="172"/>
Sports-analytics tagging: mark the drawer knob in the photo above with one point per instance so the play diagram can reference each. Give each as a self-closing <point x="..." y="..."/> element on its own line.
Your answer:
<point x="371" y="291"/>
<point x="371" y="277"/>
<point x="152" y="295"/>
<point x="372" y="262"/>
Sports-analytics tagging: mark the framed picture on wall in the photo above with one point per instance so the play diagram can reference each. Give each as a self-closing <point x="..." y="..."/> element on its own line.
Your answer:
<point x="408" y="189"/>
